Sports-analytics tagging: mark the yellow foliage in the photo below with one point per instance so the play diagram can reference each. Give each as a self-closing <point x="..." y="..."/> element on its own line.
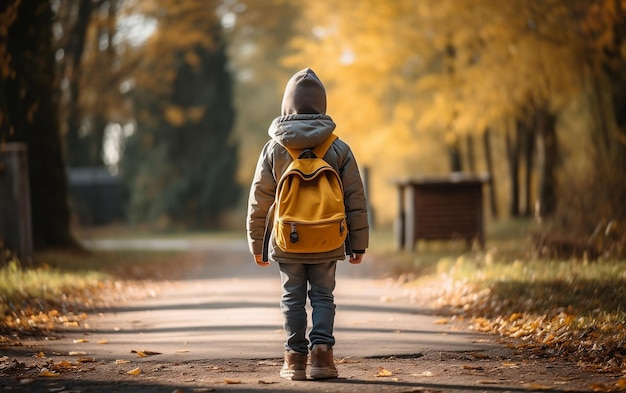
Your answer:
<point x="192" y="58"/>
<point x="175" y="115"/>
<point x="178" y="116"/>
<point x="439" y="67"/>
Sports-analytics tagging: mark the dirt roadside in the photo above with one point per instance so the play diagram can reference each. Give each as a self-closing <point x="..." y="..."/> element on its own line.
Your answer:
<point x="377" y="350"/>
<point x="498" y="371"/>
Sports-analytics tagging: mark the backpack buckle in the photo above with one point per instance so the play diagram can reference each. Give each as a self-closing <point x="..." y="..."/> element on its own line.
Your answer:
<point x="293" y="236"/>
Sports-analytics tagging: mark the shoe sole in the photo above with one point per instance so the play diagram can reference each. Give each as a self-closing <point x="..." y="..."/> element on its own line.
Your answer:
<point x="293" y="375"/>
<point x="323" y="373"/>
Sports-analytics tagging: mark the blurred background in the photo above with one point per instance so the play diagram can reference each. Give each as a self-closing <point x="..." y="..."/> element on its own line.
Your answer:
<point x="152" y="114"/>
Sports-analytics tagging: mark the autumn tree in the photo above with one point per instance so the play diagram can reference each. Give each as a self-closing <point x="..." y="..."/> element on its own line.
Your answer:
<point x="180" y="163"/>
<point x="91" y="68"/>
<point x="29" y="111"/>
<point x="425" y="76"/>
<point x="596" y="201"/>
<point x="258" y="33"/>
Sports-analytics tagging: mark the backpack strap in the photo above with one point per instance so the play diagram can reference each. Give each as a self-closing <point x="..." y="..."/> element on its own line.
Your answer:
<point x="269" y="224"/>
<point x="319" y="150"/>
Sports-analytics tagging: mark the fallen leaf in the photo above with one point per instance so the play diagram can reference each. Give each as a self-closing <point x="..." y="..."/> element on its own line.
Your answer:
<point x="621" y="383"/>
<point x="477" y="368"/>
<point x="382" y="372"/>
<point x="261" y="382"/>
<point x="81" y="340"/>
<point x="602" y="387"/>
<point x="423" y="374"/>
<point x="63" y="364"/>
<point x="41" y="355"/>
<point x="488" y="382"/>
<point x="47" y="373"/>
<point x="77" y="353"/>
<point x="182" y="350"/>
<point x="232" y="381"/>
<point x="144" y="353"/>
<point x="537" y="386"/>
<point x="87" y="360"/>
<point x="121" y="361"/>
<point x="135" y="371"/>
<point x="441" y="321"/>
<point x="103" y="341"/>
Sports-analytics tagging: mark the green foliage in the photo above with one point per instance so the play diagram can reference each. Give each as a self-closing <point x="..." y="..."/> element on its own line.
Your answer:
<point x="258" y="37"/>
<point x="155" y="72"/>
<point x="181" y="162"/>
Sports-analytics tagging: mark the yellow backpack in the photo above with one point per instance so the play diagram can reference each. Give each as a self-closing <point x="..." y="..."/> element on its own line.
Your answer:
<point x="308" y="211"/>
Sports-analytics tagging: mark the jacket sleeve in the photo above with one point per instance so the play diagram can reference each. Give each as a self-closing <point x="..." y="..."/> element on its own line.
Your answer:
<point x="260" y="199"/>
<point x="355" y="201"/>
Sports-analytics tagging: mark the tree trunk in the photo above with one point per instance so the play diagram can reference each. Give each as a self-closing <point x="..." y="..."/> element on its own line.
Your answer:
<point x="513" y="153"/>
<point x="455" y="157"/>
<point x="78" y="147"/>
<point x="489" y="162"/>
<point x="471" y="160"/>
<point x="547" y="147"/>
<point x="32" y="117"/>
<point x="529" y="150"/>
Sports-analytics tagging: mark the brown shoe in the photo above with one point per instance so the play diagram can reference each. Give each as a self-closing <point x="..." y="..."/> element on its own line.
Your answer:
<point x="322" y="362"/>
<point x="294" y="367"/>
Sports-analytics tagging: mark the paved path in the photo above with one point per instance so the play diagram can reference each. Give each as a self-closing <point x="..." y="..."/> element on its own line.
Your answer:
<point x="230" y="309"/>
<point x="219" y="329"/>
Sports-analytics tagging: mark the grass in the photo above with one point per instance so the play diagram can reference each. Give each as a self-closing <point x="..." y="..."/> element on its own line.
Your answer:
<point x="572" y="308"/>
<point x="61" y="285"/>
<point x="113" y="263"/>
<point x="18" y="286"/>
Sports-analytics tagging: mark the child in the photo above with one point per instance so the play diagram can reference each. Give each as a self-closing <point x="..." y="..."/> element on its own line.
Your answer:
<point x="304" y="124"/>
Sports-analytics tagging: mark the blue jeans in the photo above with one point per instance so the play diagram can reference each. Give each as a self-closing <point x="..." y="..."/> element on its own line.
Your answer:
<point x="319" y="279"/>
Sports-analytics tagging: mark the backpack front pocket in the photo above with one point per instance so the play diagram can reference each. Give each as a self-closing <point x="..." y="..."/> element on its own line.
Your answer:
<point x="310" y="237"/>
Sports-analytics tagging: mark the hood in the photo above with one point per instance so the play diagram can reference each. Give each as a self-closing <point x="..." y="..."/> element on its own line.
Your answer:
<point x="304" y="94"/>
<point x="301" y="131"/>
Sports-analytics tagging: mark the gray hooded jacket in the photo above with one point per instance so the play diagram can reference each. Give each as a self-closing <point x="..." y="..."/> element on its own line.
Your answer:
<point x="304" y="124"/>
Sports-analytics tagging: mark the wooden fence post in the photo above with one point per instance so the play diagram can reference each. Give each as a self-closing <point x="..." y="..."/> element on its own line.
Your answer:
<point x="15" y="217"/>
